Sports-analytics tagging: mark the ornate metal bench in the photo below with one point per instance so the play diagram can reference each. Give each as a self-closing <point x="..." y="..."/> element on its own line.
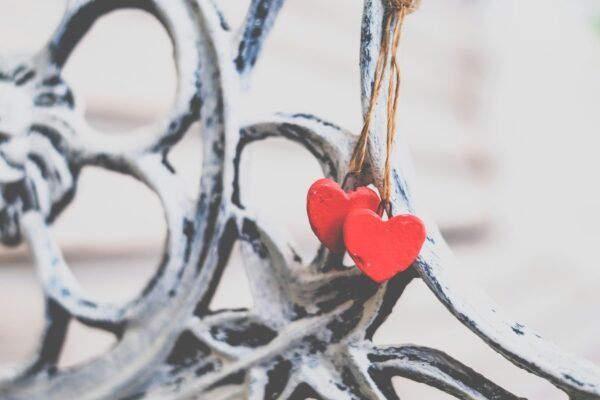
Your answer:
<point x="309" y="333"/>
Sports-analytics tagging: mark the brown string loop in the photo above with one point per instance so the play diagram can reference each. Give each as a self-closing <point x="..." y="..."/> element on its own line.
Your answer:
<point x="409" y="6"/>
<point x="392" y="20"/>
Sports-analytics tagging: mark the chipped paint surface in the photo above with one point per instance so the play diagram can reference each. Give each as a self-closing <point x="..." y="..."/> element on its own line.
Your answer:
<point x="309" y="332"/>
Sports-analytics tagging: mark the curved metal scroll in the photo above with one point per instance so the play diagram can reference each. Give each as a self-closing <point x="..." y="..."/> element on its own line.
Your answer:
<point x="309" y="332"/>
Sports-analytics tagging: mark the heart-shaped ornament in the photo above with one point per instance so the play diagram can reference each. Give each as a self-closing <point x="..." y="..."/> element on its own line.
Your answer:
<point x="382" y="249"/>
<point x="328" y="205"/>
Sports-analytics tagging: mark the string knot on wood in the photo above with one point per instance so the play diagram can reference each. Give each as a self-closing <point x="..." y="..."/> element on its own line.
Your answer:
<point x="408" y="6"/>
<point x="387" y="60"/>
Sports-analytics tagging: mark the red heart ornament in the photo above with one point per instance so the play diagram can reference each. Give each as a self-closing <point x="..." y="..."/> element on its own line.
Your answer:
<point x="382" y="249"/>
<point x="327" y="206"/>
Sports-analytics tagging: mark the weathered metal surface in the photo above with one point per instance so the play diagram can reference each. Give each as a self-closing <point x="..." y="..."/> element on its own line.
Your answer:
<point x="309" y="332"/>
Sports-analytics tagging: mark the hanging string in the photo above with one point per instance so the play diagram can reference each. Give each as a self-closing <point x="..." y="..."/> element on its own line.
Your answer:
<point x="394" y="16"/>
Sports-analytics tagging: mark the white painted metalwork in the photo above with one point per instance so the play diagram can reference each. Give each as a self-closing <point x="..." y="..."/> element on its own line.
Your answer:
<point x="309" y="333"/>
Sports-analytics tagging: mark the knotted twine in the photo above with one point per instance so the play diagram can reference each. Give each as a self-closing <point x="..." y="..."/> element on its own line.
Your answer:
<point x="393" y="18"/>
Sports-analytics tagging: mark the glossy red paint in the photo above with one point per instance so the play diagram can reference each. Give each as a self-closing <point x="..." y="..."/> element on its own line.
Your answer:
<point x="327" y="206"/>
<point x="382" y="249"/>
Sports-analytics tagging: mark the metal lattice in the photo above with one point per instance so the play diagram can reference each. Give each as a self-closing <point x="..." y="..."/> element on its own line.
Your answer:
<point x="309" y="332"/>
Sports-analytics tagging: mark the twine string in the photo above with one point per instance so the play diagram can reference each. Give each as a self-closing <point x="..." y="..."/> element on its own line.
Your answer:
<point x="392" y="107"/>
<point x="360" y="150"/>
<point x="394" y="17"/>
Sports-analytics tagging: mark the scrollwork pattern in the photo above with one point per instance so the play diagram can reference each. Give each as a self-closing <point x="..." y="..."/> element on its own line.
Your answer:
<point x="309" y="332"/>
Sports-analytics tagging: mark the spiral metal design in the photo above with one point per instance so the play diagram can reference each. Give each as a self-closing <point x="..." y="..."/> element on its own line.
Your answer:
<point x="309" y="332"/>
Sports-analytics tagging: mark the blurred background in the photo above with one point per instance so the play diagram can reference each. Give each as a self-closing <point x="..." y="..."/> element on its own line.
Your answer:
<point x="501" y="106"/>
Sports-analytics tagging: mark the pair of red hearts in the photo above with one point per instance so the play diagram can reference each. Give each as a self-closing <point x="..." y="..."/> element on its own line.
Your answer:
<point x="381" y="249"/>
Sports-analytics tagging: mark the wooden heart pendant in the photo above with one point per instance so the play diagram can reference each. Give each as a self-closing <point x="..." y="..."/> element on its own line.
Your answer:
<point x="382" y="249"/>
<point x="327" y="206"/>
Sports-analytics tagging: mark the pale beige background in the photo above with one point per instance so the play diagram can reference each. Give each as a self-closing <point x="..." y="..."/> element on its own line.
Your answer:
<point x="501" y="105"/>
